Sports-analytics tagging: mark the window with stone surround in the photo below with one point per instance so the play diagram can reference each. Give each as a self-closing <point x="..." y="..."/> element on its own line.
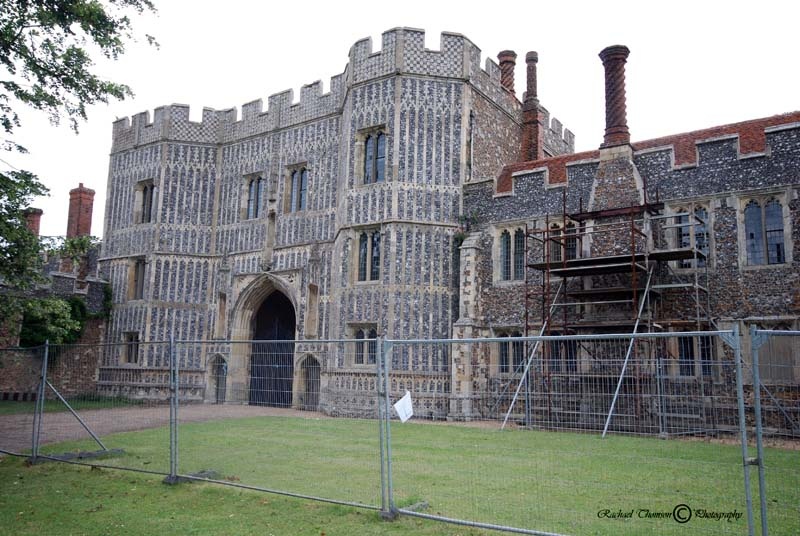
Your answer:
<point x="511" y="354"/>
<point x="563" y="242"/>
<point x="136" y="279"/>
<point x="144" y="196"/>
<point x="512" y="255"/>
<point x="130" y="354"/>
<point x="296" y="189"/>
<point x="365" y="344"/>
<point x="253" y="197"/>
<point x="368" y="261"/>
<point x="765" y="230"/>
<point x="562" y="355"/>
<point x="370" y="155"/>
<point x="692" y="233"/>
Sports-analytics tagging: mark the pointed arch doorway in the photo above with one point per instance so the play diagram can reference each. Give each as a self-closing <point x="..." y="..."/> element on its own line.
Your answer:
<point x="272" y="352"/>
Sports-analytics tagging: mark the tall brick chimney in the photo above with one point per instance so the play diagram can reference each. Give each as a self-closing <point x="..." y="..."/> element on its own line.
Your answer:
<point x="507" y="60"/>
<point x="532" y="130"/>
<point x="33" y="216"/>
<point x="79" y="219"/>
<point x="614" y="58"/>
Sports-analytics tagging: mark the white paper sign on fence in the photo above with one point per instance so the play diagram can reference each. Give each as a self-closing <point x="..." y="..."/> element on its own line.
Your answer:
<point x="404" y="408"/>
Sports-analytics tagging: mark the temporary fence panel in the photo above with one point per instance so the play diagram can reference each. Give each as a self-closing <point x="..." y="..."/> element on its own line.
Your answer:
<point x="775" y="414"/>
<point x="261" y="414"/>
<point x="20" y="381"/>
<point x="110" y="405"/>
<point x="528" y="453"/>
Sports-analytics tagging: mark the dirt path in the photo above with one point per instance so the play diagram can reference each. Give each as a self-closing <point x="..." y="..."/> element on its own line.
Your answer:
<point x="15" y="430"/>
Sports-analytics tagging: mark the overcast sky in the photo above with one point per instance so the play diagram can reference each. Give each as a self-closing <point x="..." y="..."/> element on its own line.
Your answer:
<point x="693" y="64"/>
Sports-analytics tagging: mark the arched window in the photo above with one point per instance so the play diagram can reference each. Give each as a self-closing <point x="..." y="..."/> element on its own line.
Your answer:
<point x="505" y="256"/>
<point x="555" y="244"/>
<point x="374" y="157"/>
<point x="298" y="190"/>
<point x="518" y="352"/>
<point x="372" y="347"/>
<point x="147" y="203"/>
<point x="570" y="242"/>
<point x="504" y="355"/>
<point x="363" y="248"/>
<point x="773" y="222"/>
<point x="764" y="233"/>
<point x="519" y="254"/>
<point x="375" y="257"/>
<point x="369" y="256"/>
<point x="683" y="234"/>
<point x="359" y="358"/>
<point x="255" y="190"/>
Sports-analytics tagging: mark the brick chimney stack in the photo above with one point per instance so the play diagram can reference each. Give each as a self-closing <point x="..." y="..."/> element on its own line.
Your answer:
<point x="532" y="130"/>
<point x="33" y="217"/>
<point x="79" y="219"/>
<point x="614" y="58"/>
<point x="507" y="60"/>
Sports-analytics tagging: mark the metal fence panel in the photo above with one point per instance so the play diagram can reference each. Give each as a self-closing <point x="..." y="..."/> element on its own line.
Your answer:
<point x="263" y="413"/>
<point x="20" y="372"/>
<point x="775" y="413"/>
<point x="549" y="469"/>
<point x="107" y="408"/>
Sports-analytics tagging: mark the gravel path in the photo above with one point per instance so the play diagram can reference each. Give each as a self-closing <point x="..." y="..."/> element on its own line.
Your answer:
<point x="15" y="430"/>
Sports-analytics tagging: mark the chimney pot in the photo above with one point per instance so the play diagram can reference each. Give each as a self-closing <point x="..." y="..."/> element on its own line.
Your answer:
<point x="33" y="217"/>
<point x="79" y="218"/>
<point x="532" y="129"/>
<point x="614" y="58"/>
<point x="507" y="60"/>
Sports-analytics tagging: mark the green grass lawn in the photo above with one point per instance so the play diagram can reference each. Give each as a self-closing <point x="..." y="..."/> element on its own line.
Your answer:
<point x="538" y="480"/>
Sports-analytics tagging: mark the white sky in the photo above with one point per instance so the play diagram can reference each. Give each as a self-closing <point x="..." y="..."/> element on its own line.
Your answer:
<point x="693" y="64"/>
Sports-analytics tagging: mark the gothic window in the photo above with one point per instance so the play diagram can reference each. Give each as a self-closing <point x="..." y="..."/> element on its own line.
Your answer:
<point x="369" y="255"/>
<point x="518" y="352"/>
<point x="504" y="357"/>
<point x="519" y="254"/>
<point x="131" y="351"/>
<point x="571" y="242"/>
<point x="563" y="354"/>
<point x="255" y="194"/>
<point x="511" y="354"/>
<point x="764" y="236"/>
<point x="374" y="157"/>
<point x="136" y="280"/>
<point x="512" y="255"/>
<point x="683" y="234"/>
<point x="366" y="345"/>
<point x="505" y="256"/>
<point x="144" y="198"/>
<point x="555" y="244"/>
<point x="298" y="190"/>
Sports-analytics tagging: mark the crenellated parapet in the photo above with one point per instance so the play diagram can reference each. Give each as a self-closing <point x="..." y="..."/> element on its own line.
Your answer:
<point x="557" y="139"/>
<point x="402" y="52"/>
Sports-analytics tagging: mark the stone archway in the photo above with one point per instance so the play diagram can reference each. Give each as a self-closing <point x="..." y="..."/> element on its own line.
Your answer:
<point x="256" y="292"/>
<point x="217" y="374"/>
<point x="309" y="383"/>
<point x="272" y="352"/>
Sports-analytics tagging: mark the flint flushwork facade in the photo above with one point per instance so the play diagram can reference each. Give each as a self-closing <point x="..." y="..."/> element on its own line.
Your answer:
<point x="378" y="208"/>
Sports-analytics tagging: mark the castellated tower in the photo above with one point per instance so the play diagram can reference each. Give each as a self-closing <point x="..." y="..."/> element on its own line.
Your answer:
<point x="333" y="217"/>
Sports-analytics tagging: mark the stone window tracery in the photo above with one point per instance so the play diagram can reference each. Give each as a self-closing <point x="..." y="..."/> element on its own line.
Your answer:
<point x="764" y="232"/>
<point x="369" y="255"/>
<point x="512" y="255"/>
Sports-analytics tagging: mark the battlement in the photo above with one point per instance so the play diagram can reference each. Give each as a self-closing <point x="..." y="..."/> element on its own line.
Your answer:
<point x="402" y="52"/>
<point x="558" y="138"/>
